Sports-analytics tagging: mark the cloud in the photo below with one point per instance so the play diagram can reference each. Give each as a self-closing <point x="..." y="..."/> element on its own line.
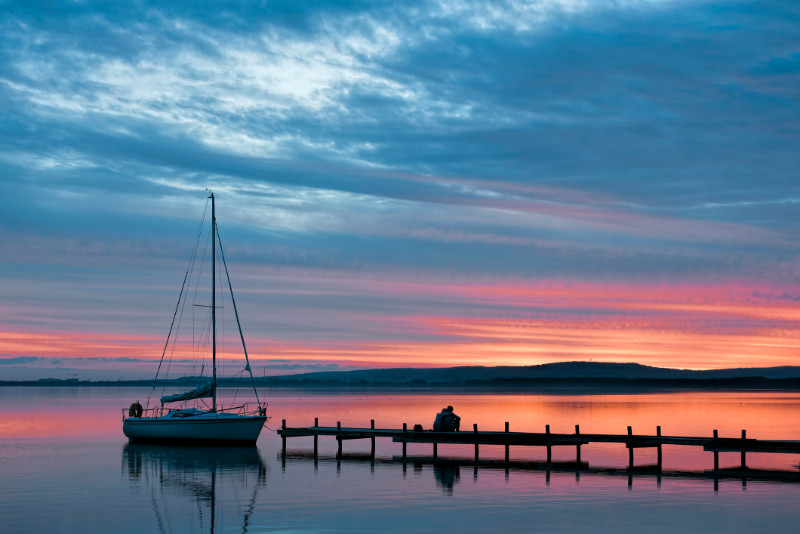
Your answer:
<point x="307" y="367"/>
<point x="360" y="146"/>
<point x="20" y="360"/>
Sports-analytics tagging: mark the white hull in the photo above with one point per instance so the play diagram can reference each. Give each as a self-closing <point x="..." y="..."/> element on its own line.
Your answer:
<point x="207" y="427"/>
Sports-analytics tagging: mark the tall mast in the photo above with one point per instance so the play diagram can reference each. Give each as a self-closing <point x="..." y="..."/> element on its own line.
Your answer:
<point x="213" y="306"/>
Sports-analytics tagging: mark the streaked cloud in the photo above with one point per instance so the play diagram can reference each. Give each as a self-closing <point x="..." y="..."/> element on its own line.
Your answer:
<point x="382" y="169"/>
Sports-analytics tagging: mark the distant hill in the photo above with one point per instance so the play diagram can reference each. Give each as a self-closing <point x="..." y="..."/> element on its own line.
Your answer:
<point x="566" y="371"/>
<point x="580" y="375"/>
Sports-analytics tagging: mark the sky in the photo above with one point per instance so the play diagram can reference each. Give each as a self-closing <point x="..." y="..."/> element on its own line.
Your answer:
<point x="403" y="184"/>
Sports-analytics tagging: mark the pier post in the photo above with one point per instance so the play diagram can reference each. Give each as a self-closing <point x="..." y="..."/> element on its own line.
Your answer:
<point x="405" y="429"/>
<point x="475" y="431"/>
<point x="316" y="438"/>
<point x="283" y="449"/>
<point x="435" y="450"/>
<point x="744" y="454"/>
<point x="630" y="448"/>
<point x="549" y="447"/>
<point x="339" y="438"/>
<point x="716" y="463"/>
<point x="658" y="433"/>
<point x="507" y="447"/>
<point x="716" y="453"/>
<point x="578" y="447"/>
<point x="372" y="426"/>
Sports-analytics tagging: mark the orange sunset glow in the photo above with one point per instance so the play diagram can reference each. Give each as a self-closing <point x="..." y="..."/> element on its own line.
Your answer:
<point x="688" y="326"/>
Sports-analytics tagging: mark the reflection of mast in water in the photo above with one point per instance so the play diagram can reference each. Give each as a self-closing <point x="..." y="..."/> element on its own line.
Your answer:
<point x="194" y="471"/>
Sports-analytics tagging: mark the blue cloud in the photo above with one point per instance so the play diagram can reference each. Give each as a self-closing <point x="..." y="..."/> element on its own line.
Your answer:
<point x="20" y="360"/>
<point x="652" y="140"/>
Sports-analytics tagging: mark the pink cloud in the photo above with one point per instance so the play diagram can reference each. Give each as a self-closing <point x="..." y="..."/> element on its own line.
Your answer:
<point x="445" y="323"/>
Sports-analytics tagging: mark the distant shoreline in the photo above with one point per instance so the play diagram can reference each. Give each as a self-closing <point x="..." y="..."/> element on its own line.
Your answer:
<point x="572" y="377"/>
<point x="501" y="385"/>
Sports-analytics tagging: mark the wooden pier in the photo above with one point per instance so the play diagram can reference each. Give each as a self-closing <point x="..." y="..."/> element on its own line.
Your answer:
<point x="506" y="438"/>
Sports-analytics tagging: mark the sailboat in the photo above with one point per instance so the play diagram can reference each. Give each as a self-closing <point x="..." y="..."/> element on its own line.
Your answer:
<point x="238" y="424"/>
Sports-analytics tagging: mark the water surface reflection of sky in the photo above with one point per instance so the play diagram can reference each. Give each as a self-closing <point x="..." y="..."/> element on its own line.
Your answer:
<point x="68" y="468"/>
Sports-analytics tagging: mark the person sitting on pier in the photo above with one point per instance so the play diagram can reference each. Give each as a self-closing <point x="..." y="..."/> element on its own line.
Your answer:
<point x="437" y="423"/>
<point x="447" y="421"/>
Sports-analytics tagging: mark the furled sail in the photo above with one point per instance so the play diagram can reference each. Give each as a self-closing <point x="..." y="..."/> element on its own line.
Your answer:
<point x="206" y="390"/>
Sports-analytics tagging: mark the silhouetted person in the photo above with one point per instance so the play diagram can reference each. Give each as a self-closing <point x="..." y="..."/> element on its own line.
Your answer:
<point x="437" y="423"/>
<point x="447" y="421"/>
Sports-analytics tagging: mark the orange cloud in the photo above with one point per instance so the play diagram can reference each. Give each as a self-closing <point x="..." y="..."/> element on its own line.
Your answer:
<point x="521" y="323"/>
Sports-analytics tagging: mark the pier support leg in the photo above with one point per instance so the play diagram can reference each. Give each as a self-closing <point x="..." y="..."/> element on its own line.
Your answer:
<point x="744" y="454"/>
<point x="507" y="447"/>
<point x="316" y="438"/>
<point x="435" y="450"/>
<point x="658" y="433"/>
<point x="339" y="438"/>
<point x="372" y="426"/>
<point x="577" y="455"/>
<point x="283" y="448"/>
<point x="405" y="429"/>
<point x="630" y="450"/>
<point x="549" y="448"/>
<point x="475" y="431"/>
<point x="716" y="454"/>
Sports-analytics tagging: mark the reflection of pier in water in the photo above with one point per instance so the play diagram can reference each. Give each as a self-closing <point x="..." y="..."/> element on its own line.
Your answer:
<point x="448" y="471"/>
<point x="196" y="472"/>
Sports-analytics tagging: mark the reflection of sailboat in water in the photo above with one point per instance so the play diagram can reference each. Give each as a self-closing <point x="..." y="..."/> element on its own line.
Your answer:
<point x="210" y="476"/>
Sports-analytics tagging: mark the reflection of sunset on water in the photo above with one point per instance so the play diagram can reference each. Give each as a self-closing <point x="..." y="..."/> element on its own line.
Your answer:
<point x="69" y="414"/>
<point x="64" y="446"/>
<point x="763" y="415"/>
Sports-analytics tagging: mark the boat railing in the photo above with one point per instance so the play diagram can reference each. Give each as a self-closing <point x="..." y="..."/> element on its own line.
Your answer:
<point x="246" y="408"/>
<point x="155" y="411"/>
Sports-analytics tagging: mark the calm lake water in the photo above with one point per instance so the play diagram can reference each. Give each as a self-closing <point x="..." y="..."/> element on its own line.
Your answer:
<point x="66" y="467"/>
